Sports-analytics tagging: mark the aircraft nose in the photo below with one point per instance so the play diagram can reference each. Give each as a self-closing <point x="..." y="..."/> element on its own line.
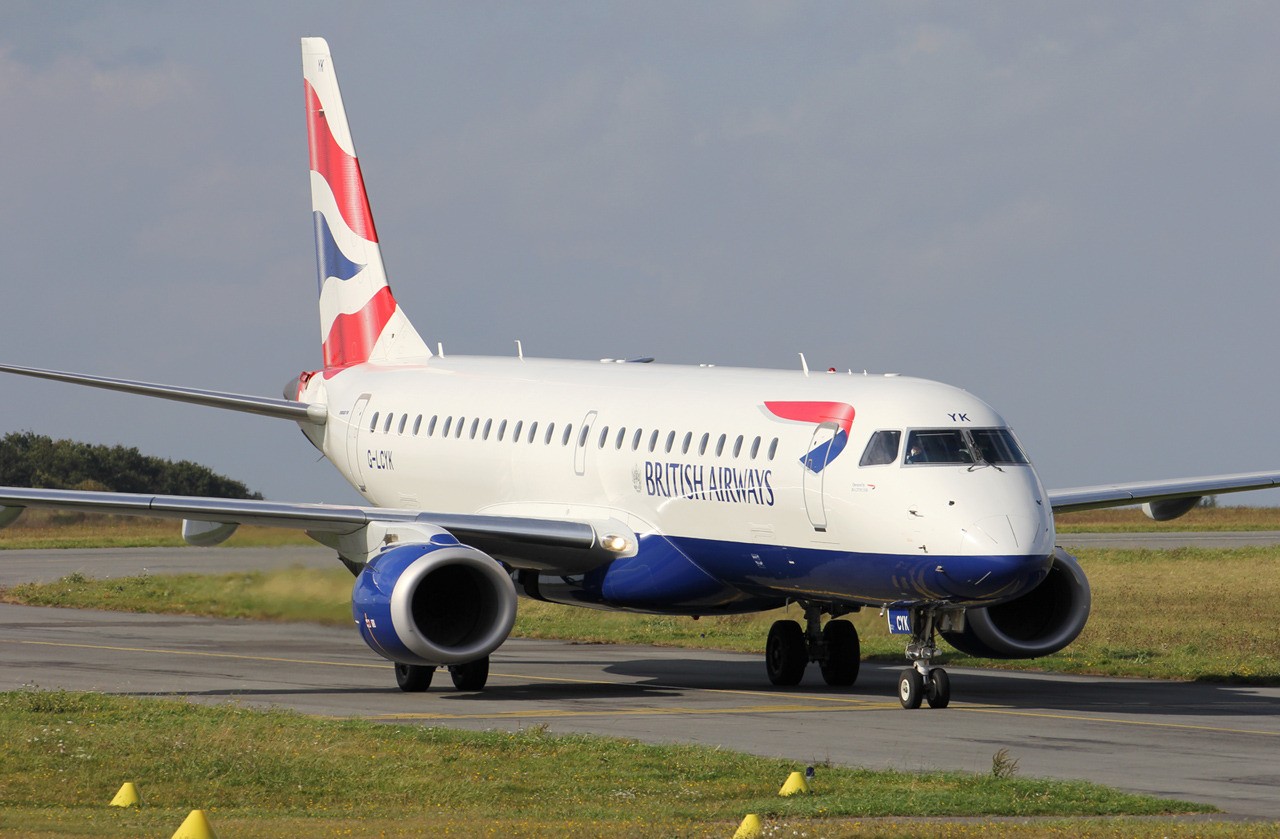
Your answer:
<point x="1001" y="533"/>
<point x="990" y="577"/>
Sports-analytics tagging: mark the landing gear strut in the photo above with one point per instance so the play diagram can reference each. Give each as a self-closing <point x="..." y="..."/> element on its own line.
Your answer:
<point x="415" y="678"/>
<point x="922" y="682"/>
<point x="835" y="647"/>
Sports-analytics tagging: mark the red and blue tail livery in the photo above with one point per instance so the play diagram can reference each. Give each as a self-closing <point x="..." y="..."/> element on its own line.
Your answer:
<point x="359" y="318"/>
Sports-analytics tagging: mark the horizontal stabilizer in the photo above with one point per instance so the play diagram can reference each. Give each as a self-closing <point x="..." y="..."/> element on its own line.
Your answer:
<point x="261" y="405"/>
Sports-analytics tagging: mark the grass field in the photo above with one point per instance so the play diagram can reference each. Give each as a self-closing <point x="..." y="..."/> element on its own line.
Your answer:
<point x="280" y="774"/>
<point x="37" y="529"/>
<point x="62" y="756"/>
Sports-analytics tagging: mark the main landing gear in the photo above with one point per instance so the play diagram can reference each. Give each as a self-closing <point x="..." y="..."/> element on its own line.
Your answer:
<point x="471" y="676"/>
<point x="922" y="682"/>
<point x="835" y="647"/>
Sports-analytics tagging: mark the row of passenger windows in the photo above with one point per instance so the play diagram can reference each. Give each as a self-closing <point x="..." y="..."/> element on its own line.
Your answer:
<point x="635" y="438"/>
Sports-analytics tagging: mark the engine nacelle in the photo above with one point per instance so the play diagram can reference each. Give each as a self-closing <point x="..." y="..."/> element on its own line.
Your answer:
<point x="1040" y="622"/>
<point x="433" y="603"/>
<point x="1171" y="509"/>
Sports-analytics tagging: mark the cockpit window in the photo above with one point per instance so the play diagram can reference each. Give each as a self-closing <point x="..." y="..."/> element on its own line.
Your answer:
<point x="882" y="448"/>
<point x="994" y="446"/>
<point x="997" y="445"/>
<point x="943" y="446"/>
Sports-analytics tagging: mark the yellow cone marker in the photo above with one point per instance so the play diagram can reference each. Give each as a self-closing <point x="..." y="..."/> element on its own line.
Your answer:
<point x="127" y="797"/>
<point x="795" y="785"/>
<point x="196" y="827"/>
<point x="750" y="827"/>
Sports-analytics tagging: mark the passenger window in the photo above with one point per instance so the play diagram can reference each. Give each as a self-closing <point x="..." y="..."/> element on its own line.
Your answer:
<point x="502" y="430"/>
<point x="737" y="446"/>
<point x="755" y="448"/>
<point x="635" y="440"/>
<point x="475" y="425"/>
<point x="583" y="435"/>
<point x="881" y="449"/>
<point x="551" y="430"/>
<point x="671" y="441"/>
<point x="604" y="435"/>
<point x="684" y="445"/>
<point x="488" y="426"/>
<point x="431" y="426"/>
<point x="773" y="448"/>
<point x="702" y="444"/>
<point x="386" y="425"/>
<point x="653" y="440"/>
<point x="622" y="436"/>
<point x="417" y="423"/>
<point x="373" y="423"/>
<point x="448" y="421"/>
<point x="568" y="434"/>
<point x="533" y="430"/>
<point x="404" y="418"/>
<point x="720" y="445"/>
<point x="515" y="434"/>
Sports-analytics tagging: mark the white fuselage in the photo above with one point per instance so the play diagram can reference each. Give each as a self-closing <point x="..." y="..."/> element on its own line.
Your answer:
<point x="687" y="453"/>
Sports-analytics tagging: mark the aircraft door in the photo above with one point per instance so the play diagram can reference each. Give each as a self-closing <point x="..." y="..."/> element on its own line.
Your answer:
<point x="581" y="442"/>
<point x="355" y="421"/>
<point x="815" y="474"/>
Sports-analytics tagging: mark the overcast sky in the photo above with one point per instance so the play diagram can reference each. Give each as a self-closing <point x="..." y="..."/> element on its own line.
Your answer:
<point x="1069" y="209"/>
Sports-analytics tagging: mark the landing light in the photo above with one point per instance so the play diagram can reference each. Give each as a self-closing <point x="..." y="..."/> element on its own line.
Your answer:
<point x="614" y="543"/>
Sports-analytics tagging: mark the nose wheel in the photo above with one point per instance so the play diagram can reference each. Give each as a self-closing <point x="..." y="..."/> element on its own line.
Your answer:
<point x="922" y="682"/>
<point x="915" y="688"/>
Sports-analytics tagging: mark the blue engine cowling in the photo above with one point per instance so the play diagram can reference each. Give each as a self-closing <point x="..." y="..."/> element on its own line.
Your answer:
<point x="1040" y="622"/>
<point x="433" y="603"/>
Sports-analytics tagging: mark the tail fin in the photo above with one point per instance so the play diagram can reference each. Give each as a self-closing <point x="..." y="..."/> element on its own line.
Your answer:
<point x="359" y="318"/>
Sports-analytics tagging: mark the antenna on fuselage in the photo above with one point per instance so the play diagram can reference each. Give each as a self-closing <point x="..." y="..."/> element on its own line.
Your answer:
<point x="804" y="365"/>
<point x="519" y="350"/>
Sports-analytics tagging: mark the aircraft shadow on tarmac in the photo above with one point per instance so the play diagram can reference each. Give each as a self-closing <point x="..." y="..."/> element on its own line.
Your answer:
<point x="669" y="679"/>
<point x="1007" y="689"/>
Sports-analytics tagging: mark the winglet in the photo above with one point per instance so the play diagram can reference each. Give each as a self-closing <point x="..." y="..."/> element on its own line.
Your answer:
<point x="359" y="317"/>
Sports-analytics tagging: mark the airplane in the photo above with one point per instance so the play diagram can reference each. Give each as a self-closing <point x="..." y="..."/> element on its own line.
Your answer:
<point x="643" y="487"/>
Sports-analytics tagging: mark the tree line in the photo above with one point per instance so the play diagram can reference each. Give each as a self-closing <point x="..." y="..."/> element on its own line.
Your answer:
<point x="34" y="460"/>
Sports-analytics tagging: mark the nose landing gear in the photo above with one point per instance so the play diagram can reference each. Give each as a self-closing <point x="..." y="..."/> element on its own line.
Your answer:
<point x="922" y="682"/>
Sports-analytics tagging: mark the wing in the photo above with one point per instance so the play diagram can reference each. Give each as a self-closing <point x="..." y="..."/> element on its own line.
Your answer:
<point x="356" y="532"/>
<point x="1188" y="490"/>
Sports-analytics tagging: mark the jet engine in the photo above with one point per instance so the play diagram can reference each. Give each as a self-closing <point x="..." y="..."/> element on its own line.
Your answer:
<point x="1038" y="623"/>
<point x="434" y="603"/>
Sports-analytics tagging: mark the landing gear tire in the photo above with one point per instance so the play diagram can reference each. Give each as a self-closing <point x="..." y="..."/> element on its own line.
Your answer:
<point x="910" y="688"/>
<point x="938" y="690"/>
<point x="785" y="653"/>
<point x="843" y="654"/>
<point x="470" y="676"/>
<point x="413" y="678"/>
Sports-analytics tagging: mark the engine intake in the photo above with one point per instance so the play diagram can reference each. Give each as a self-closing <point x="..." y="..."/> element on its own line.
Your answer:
<point x="1041" y="622"/>
<point x="432" y="604"/>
